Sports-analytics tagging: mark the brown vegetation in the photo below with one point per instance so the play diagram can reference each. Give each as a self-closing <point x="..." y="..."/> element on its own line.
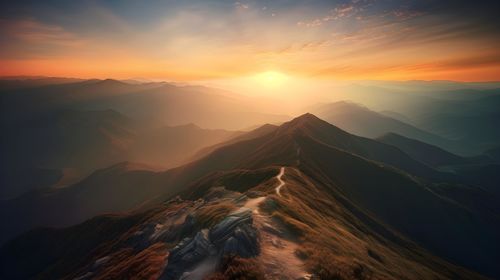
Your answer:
<point x="236" y="268"/>
<point x="210" y="215"/>
<point x="148" y="264"/>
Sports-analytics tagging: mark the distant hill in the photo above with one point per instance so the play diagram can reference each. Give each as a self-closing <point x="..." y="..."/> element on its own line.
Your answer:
<point x="170" y="146"/>
<point x="362" y="121"/>
<point x="36" y="152"/>
<point x="64" y="139"/>
<point x="161" y="103"/>
<point x="426" y="153"/>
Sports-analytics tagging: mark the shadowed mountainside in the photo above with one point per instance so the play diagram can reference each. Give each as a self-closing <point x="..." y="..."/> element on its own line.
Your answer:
<point x="362" y="121"/>
<point x="343" y="191"/>
<point x="83" y="141"/>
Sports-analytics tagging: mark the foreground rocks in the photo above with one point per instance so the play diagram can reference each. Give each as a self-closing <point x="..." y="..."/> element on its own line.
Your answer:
<point x="200" y="254"/>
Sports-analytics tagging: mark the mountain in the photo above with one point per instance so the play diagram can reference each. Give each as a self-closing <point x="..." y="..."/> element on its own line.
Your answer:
<point x="362" y="121"/>
<point x="426" y="153"/>
<point x="170" y="146"/>
<point x="82" y="140"/>
<point x="160" y="102"/>
<point x="479" y="171"/>
<point x="38" y="153"/>
<point x="464" y="113"/>
<point x="306" y="199"/>
<point x="16" y="83"/>
<point x="255" y="133"/>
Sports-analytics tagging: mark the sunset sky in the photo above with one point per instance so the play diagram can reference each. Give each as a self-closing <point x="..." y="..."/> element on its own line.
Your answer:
<point x="205" y="40"/>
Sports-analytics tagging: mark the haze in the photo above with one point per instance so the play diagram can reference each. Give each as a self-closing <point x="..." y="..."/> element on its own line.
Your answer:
<point x="223" y="140"/>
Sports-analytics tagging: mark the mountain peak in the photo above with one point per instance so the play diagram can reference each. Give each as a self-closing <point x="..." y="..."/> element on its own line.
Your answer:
<point x="307" y="122"/>
<point x="305" y="118"/>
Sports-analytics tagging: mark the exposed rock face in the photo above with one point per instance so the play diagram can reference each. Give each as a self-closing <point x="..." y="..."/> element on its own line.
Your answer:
<point x="222" y="231"/>
<point x="187" y="254"/>
<point x="233" y="235"/>
<point x="236" y="234"/>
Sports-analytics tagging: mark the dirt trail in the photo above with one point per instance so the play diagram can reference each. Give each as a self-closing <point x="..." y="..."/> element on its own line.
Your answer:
<point x="277" y="254"/>
<point x="281" y="182"/>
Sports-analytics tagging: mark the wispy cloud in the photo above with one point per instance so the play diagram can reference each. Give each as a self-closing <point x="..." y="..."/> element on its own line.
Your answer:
<point x="35" y="32"/>
<point x="230" y="38"/>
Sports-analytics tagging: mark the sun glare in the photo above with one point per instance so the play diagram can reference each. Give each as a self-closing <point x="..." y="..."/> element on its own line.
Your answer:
<point x="271" y="78"/>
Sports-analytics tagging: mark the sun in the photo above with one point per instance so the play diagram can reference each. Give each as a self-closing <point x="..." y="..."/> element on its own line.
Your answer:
<point x="271" y="78"/>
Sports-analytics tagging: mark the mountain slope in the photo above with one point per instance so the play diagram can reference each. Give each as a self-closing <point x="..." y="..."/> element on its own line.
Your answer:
<point x="276" y="147"/>
<point x="350" y="200"/>
<point x="480" y="171"/>
<point x="331" y="236"/>
<point x="362" y="121"/>
<point x="171" y="146"/>
<point x="426" y="153"/>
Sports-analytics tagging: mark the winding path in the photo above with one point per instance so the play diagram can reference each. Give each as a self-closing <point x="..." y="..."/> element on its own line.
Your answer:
<point x="282" y="183"/>
<point x="277" y="253"/>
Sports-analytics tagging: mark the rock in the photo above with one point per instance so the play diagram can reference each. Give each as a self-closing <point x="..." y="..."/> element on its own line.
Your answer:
<point x="235" y="234"/>
<point x="223" y="230"/>
<point x="191" y="250"/>
<point x="243" y="242"/>
<point x="175" y="231"/>
<point x="186" y="254"/>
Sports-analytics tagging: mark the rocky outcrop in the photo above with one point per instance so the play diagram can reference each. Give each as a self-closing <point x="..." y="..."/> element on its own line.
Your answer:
<point x="235" y="235"/>
<point x="187" y="254"/>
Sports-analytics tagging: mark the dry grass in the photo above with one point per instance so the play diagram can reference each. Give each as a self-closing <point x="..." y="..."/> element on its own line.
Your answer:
<point x="335" y="243"/>
<point x="325" y="265"/>
<point x="236" y="268"/>
<point x="148" y="264"/>
<point x="212" y="214"/>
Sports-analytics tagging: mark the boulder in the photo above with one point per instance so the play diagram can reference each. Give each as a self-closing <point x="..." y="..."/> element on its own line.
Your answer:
<point x="224" y="229"/>
<point x="235" y="235"/>
<point x="186" y="254"/>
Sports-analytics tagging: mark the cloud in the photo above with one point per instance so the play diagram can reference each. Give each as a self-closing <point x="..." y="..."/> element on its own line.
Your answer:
<point x="343" y="11"/>
<point x="34" y="32"/>
<point x="240" y="5"/>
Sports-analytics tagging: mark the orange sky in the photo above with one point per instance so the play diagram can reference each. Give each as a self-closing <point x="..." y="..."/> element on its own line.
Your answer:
<point x="348" y="40"/>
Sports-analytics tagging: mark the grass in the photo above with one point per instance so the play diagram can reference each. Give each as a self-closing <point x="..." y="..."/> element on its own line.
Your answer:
<point x="236" y="268"/>
<point x="212" y="214"/>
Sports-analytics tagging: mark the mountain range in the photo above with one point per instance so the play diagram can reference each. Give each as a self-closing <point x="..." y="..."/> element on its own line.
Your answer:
<point x="106" y="179"/>
<point x="378" y="209"/>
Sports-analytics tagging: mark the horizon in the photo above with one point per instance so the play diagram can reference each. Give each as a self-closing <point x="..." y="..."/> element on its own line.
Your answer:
<point x="250" y="139"/>
<point x="226" y="40"/>
<point x="166" y="80"/>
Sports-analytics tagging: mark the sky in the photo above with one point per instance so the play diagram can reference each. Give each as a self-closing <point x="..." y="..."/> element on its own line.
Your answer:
<point x="269" y="40"/>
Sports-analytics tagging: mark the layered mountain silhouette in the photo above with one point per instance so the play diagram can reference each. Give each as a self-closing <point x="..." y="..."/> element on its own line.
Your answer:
<point x="426" y="153"/>
<point x="43" y="151"/>
<point x="307" y="197"/>
<point x="467" y="114"/>
<point x="161" y="102"/>
<point x="362" y="121"/>
<point x="479" y="170"/>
